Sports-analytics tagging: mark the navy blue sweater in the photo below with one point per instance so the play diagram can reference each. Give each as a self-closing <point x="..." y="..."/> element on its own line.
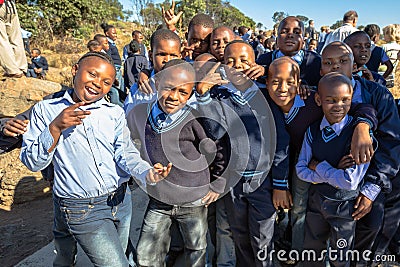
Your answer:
<point x="247" y="126"/>
<point x="309" y="68"/>
<point x="114" y="54"/>
<point x="386" y="161"/>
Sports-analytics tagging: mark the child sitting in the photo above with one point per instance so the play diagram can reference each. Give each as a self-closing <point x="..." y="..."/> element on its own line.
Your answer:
<point x="39" y="65"/>
<point x="169" y="130"/>
<point x="92" y="203"/>
<point x="326" y="162"/>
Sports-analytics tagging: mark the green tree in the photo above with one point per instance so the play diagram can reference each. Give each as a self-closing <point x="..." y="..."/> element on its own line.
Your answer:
<point x="278" y="16"/>
<point x="337" y="24"/>
<point x="304" y="19"/>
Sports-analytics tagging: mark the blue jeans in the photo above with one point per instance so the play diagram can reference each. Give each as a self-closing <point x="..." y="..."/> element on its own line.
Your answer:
<point x="155" y="236"/>
<point x="100" y="225"/>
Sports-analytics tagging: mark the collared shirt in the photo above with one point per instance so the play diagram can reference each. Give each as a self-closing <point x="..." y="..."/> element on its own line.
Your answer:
<point x="90" y="159"/>
<point x="347" y="179"/>
<point x="298" y="57"/>
<point x="340" y="33"/>
<point x="298" y="103"/>
<point x="357" y="94"/>
<point x="170" y="118"/>
<point x="136" y="97"/>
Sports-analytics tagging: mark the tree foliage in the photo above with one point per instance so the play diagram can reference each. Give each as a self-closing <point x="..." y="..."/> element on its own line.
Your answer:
<point x="278" y="16"/>
<point x="67" y="17"/>
<point x="337" y="24"/>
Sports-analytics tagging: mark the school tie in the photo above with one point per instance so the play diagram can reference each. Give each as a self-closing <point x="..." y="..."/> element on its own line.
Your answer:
<point x="328" y="134"/>
<point x="161" y="118"/>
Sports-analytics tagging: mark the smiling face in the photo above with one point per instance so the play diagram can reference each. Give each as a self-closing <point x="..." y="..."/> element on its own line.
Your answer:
<point x="199" y="39"/>
<point x="290" y="36"/>
<point x="175" y="88"/>
<point x="361" y="47"/>
<point x="164" y="51"/>
<point x="219" y="39"/>
<point x="335" y="100"/>
<point x="283" y="83"/>
<point x="336" y="57"/>
<point x="238" y="58"/>
<point x="93" y="78"/>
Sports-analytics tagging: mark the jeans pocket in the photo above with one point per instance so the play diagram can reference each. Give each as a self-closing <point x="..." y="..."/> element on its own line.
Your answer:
<point x="76" y="213"/>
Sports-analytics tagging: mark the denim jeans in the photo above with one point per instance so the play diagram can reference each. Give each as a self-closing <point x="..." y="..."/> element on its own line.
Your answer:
<point x="100" y="225"/>
<point x="155" y="236"/>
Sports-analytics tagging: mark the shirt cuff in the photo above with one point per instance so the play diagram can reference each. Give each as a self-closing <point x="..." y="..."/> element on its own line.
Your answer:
<point x="46" y="139"/>
<point x="203" y="99"/>
<point x="321" y="170"/>
<point x="370" y="190"/>
<point x="280" y="184"/>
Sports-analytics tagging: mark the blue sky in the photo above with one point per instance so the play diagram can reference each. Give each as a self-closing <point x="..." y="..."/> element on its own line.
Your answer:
<point x="381" y="12"/>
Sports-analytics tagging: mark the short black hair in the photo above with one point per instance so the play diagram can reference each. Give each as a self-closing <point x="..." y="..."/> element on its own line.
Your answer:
<point x="334" y="79"/>
<point x="291" y="17"/>
<point x="372" y="29"/>
<point x="242" y="30"/>
<point x="38" y="50"/>
<point x="178" y="64"/>
<point x="93" y="43"/>
<point x="99" y="36"/>
<point x="201" y="19"/>
<point x="350" y="15"/>
<point x="134" y="46"/>
<point x="163" y="34"/>
<point x="102" y="55"/>
<point x="106" y="27"/>
<point x="135" y="32"/>
<point x="354" y="35"/>
<point x="238" y="42"/>
<point x="223" y="28"/>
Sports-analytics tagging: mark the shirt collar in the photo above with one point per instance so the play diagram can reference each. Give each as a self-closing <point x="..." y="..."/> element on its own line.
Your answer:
<point x="110" y="40"/>
<point x="170" y="118"/>
<point x="233" y="90"/>
<point x="298" y="103"/>
<point x="298" y="57"/>
<point x="337" y="127"/>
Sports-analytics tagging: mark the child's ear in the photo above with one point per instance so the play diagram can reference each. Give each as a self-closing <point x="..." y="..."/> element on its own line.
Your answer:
<point x="74" y="69"/>
<point x="317" y="99"/>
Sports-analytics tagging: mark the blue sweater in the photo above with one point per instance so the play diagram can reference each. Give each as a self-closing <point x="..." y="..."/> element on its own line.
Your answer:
<point x="247" y="126"/>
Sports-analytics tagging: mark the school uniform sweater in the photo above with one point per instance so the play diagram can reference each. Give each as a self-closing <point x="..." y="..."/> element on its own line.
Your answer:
<point x="183" y="143"/>
<point x="246" y="122"/>
<point x="386" y="161"/>
<point x="309" y="67"/>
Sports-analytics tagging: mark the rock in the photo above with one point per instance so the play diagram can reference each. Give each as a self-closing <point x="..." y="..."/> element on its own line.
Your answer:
<point x="17" y="95"/>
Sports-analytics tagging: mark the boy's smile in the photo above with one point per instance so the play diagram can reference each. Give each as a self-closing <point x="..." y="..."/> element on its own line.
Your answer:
<point x="290" y="37"/>
<point x="93" y="78"/>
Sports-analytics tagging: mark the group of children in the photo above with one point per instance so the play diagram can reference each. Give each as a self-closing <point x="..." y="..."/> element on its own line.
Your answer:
<point x="238" y="138"/>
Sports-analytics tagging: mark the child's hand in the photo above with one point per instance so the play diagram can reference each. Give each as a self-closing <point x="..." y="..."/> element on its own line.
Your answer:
<point x="209" y="80"/>
<point x="366" y="73"/>
<point x="255" y="71"/>
<point x="363" y="206"/>
<point x="209" y="198"/>
<point x="346" y="162"/>
<point x="144" y="84"/>
<point x="186" y="50"/>
<point x="14" y="127"/>
<point x="282" y="198"/>
<point x="158" y="173"/>
<point x="312" y="165"/>
<point x="362" y="149"/>
<point x="69" y="117"/>
<point x="304" y="91"/>
<point x="169" y="16"/>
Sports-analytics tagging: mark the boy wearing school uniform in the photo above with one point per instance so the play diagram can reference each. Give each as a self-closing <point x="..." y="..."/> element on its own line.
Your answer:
<point x="241" y="119"/>
<point x="338" y="57"/>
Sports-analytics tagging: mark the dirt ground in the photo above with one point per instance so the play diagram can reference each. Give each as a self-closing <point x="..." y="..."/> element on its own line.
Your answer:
<point x="25" y="229"/>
